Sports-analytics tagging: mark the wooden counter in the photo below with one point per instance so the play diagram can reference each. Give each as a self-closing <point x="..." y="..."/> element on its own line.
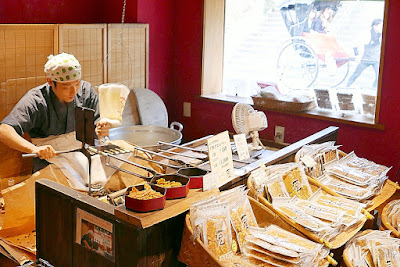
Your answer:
<point x="139" y="239"/>
<point x="173" y="207"/>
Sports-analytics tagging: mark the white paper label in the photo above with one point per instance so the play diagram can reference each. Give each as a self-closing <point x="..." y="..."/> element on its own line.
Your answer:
<point x="241" y="146"/>
<point x="309" y="161"/>
<point x="210" y="181"/>
<point x="262" y="166"/>
<point x="220" y="155"/>
<point x="259" y="175"/>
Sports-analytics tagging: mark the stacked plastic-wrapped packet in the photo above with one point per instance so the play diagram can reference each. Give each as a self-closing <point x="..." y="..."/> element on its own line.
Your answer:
<point x="352" y="210"/>
<point x="277" y="247"/>
<point x="283" y="180"/>
<point x="375" y="248"/>
<point x="227" y="226"/>
<point x="351" y="176"/>
<point x="287" y="187"/>
<point x="320" y="154"/>
<point x="393" y="214"/>
<point x="222" y="221"/>
<point x="354" y="177"/>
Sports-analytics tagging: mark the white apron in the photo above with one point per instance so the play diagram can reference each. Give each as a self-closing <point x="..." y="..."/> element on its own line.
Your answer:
<point x="75" y="165"/>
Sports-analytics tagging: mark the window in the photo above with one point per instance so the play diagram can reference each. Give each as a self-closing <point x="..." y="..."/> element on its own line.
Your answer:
<point x="326" y="50"/>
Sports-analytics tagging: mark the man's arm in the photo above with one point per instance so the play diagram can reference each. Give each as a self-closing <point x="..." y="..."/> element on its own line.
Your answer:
<point x="12" y="139"/>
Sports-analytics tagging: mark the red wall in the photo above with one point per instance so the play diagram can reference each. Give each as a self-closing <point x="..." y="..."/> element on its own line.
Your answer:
<point x="159" y="14"/>
<point x="51" y="11"/>
<point x="382" y="146"/>
<point x="175" y="69"/>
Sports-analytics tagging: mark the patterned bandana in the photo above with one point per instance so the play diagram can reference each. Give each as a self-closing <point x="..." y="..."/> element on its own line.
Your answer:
<point x="63" y="68"/>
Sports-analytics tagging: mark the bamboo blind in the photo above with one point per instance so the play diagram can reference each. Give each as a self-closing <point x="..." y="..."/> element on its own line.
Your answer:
<point x="127" y="59"/>
<point x="87" y="44"/>
<point x="23" y="53"/>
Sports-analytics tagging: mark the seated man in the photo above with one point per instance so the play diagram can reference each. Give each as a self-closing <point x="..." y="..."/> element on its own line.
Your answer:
<point x="47" y="112"/>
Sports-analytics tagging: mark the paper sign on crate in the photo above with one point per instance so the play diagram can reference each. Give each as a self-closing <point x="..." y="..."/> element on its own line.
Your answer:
<point x="220" y="155"/>
<point x="308" y="161"/>
<point x="259" y="175"/>
<point x="241" y="146"/>
<point x="211" y="181"/>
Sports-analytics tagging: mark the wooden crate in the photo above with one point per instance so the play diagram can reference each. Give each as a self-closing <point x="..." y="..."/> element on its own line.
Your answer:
<point x="194" y="253"/>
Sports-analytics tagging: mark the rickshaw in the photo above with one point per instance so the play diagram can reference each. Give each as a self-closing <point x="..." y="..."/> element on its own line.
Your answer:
<point x="310" y="54"/>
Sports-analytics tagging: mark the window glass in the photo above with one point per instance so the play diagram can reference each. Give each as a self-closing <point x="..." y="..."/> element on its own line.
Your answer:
<point x="328" y="50"/>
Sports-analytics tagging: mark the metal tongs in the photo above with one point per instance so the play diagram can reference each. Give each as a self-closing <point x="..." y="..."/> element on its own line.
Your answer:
<point x="109" y="154"/>
<point x="183" y="155"/>
<point x="153" y="161"/>
<point x="194" y="150"/>
<point x="184" y="147"/>
<point x="180" y="162"/>
<point x="34" y="155"/>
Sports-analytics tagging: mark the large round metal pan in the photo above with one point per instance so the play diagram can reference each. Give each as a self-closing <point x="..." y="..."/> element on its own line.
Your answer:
<point x="146" y="136"/>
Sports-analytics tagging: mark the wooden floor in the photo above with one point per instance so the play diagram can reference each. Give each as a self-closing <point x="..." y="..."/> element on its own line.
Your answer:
<point x="6" y="262"/>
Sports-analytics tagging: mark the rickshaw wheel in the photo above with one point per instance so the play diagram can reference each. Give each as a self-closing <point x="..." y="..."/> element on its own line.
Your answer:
<point x="334" y="80"/>
<point x="297" y="64"/>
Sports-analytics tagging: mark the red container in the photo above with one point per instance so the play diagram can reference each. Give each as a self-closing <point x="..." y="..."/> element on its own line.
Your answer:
<point x="174" y="192"/>
<point x="195" y="175"/>
<point x="145" y="204"/>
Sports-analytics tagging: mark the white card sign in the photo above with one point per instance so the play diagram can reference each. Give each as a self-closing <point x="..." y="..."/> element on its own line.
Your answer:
<point x="259" y="175"/>
<point x="308" y="161"/>
<point x="210" y="181"/>
<point x="241" y="146"/>
<point x="220" y="155"/>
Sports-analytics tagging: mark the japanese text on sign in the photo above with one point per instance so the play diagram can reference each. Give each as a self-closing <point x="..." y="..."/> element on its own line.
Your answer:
<point x="241" y="146"/>
<point x="220" y="155"/>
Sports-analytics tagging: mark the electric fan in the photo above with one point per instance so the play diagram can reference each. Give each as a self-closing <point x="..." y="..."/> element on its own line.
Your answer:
<point x="247" y="121"/>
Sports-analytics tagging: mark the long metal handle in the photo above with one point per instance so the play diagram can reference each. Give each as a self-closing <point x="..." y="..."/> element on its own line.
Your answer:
<point x="184" y="147"/>
<point x="129" y="172"/>
<point x="158" y="162"/>
<point x="193" y="157"/>
<point x="31" y="155"/>
<point x="161" y="155"/>
<point x="179" y="154"/>
<point x="134" y="164"/>
<point x="34" y="155"/>
<point x="92" y="149"/>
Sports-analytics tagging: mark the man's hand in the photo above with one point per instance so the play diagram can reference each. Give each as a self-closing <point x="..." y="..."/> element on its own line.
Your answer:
<point x="44" y="152"/>
<point x="102" y="128"/>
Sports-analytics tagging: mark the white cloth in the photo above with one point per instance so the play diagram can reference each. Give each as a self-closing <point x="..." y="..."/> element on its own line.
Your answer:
<point x="75" y="165"/>
<point x="63" y="68"/>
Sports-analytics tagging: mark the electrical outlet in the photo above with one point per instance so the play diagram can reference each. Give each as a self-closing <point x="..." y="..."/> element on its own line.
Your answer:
<point x="279" y="134"/>
<point x="187" y="109"/>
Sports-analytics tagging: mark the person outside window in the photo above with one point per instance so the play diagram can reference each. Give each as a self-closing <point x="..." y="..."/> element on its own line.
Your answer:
<point x="323" y="23"/>
<point x="309" y="24"/>
<point x="371" y="54"/>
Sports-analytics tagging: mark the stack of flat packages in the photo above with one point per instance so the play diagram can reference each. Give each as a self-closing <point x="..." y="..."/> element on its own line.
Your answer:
<point x="226" y="225"/>
<point x="373" y="248"/>
<point x="324" y="215"/>
<point x="350" y="176"/>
